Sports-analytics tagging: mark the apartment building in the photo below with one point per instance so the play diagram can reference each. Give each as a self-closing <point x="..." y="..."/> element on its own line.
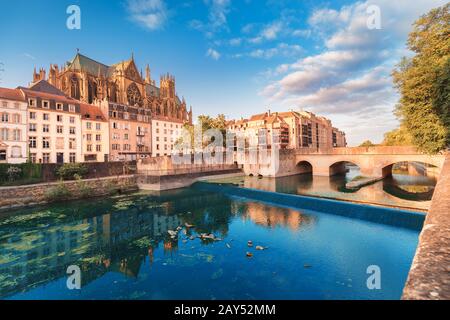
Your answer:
<point x="129" y="131"/>
<point x="95" y="134"/>
<point x="164" y="135"/>
<point x="291" y="130"/>
<point x="54" y="125"/>
<point x="13" y="126"/>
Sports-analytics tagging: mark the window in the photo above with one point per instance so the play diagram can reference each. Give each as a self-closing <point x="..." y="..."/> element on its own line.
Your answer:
<point x="31" y="102"/>
<point x="33" y="127"/>
<point x="46" y="157"/>
<point x="45" y="104"/>
<point x="45" y="128"/>
<point x="157" y="138"/>
<point x="59" y="106"/>
<point x="33" y="115"/>
<point x="72" y="119"/>
<point x="89" y="148"/>
<point x="5" y="117"/>
<point x="125" y="136"/>
<point x="59" y="118"/>
<point x="98" y="137"/>
<point x="46" y="116"/>
<point x="88" y="125"/>
<point x="46" y="143"/>
<point x="72" y="143"/>
<point x="71" y="108"/>
<point x="98" y="148"/>
<point x="115" y="125"/>
<point x="16" y="118"/>
<point x="72" y="157"/>
<point x="33" y="157"/>
<point x="32" y="142"/>
<point x="157" y="130"/>
<point x="17" y="135"/>
<point x="98" y="126"/>
<point x="116" y="147"/>
<point x="4" y="134"/>
<point x="157" y="147"/>
<point x="116" y="136"/>
<point x="89" y="137"/>
<point x="59" y="129"/>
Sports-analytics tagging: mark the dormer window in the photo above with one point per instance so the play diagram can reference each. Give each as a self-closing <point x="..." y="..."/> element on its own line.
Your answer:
<point x="59" y="106"/>
<point x="45" y="104"/>
<point x="71" y="108"/>
<point x="31" y="102"/>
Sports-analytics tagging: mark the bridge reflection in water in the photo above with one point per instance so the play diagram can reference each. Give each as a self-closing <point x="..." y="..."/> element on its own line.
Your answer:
<point x="401" y="189"/>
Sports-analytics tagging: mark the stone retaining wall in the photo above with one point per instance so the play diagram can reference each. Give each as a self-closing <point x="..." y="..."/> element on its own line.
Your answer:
<point x="429" y="277"/>
<point x="20" y="196"/>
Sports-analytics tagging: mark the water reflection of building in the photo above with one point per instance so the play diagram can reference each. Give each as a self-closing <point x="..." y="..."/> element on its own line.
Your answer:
<point x="272" y="217"/>
<point x="97" y="244"/>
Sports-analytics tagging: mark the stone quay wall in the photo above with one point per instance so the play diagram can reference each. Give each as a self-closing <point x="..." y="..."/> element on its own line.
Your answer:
<point x="429" y="276"/>
<point x="29" y="195"/>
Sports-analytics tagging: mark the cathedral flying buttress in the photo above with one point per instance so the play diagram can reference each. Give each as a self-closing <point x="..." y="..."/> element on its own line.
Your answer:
<point x="93" y="82"/>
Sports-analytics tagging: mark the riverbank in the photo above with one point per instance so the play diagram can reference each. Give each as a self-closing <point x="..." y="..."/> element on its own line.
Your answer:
<point x="42" y="193"/>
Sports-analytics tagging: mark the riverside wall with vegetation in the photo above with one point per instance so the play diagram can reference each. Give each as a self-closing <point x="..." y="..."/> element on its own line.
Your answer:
<point x="12" y="197"/>
<point x="429" y="276"/>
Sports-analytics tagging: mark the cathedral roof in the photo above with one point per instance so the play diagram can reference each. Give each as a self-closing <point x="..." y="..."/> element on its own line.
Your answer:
<point x="80" y="62"/>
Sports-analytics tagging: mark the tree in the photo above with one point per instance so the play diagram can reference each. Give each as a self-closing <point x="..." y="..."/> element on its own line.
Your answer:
<point x="423" y="81"/>
<point x="207" y="123"/>
<point x="367" y="143"/>
<point x="397" y="137"/>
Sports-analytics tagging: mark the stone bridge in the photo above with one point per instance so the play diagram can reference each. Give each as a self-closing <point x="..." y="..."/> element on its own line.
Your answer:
<point x="374" y="162"/>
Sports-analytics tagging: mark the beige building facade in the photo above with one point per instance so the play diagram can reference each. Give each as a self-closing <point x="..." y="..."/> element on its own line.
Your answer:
<point x="54" y="125"/>
<point x="95" y="134"/>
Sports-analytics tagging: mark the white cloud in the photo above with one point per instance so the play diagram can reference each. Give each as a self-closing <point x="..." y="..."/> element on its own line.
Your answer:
<point x="217" y="18"/>
<point x="150" y="14"/>
<point x="213" y="54"/>
<point x="282" y="49"/>
<point x="350" y="79"/>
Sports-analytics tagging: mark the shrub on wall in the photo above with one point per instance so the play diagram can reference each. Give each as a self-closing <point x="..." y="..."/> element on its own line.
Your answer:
<point x="57" y="193"/>
<point x="70" y="171"/>
<point x="83" y="188"/>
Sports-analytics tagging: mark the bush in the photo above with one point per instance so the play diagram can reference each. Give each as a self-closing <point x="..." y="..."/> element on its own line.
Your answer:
<point x="58" y="193"/>
<point x="70" y="171"/>
<point x="83" y="188"/>
<point x="14" y="173"/>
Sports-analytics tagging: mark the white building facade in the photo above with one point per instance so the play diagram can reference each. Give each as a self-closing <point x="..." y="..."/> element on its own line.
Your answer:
<point x="13" y="126"/>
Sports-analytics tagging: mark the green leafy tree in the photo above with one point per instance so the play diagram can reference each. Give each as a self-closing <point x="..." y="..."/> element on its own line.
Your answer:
<point x="423" y="82"/>
<point x="367" y="143"/>
<point x="207" y="122"/>
<point x="397" y="137"/>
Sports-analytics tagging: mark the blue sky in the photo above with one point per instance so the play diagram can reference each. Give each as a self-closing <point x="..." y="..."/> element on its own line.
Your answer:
<point x="232" y="57"/>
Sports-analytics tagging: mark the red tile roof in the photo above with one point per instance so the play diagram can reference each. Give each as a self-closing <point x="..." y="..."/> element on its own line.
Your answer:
<point x="11" y="94"/>
<point x="49" y="96"/>
<point x="91" y="112"/>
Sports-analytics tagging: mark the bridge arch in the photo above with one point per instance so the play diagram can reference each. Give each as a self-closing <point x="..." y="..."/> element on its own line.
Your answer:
<point x="413" y="167"/>
<point x="341" y="166"/>
<point x="304" y="166"/>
